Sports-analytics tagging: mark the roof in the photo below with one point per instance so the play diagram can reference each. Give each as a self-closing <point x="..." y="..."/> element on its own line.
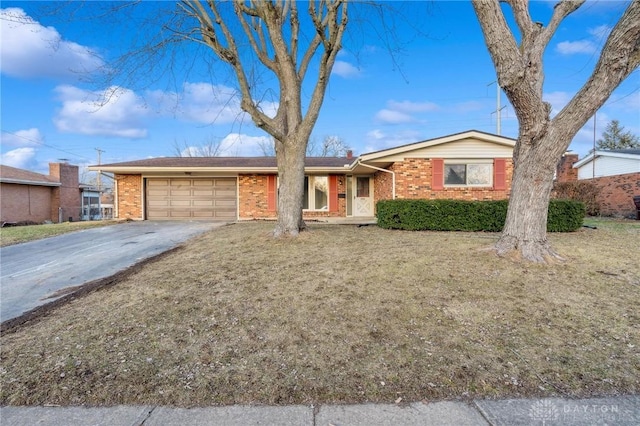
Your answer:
<point x="25" y="177"/>
<point x="476" y="134"/>
<point x="269" y="165"/>
<point x="630" y="153"/>
<point x="231" y="164"/>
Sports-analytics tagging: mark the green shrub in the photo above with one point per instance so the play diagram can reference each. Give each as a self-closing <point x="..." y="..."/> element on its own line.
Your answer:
<point x="459" y="215"/>
<point x="565" y="215"/>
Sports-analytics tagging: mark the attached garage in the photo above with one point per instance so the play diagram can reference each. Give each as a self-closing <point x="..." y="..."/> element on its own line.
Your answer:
<point x="191" y="198"/>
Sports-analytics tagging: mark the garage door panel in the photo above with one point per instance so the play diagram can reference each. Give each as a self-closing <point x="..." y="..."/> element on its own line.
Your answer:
<point x="203" y="193"/>
<point x="226" y="203"/>
<point x="225" y="193"/>
<point x="204" y="203"/>
<point x="203" y="182"/>
<point x="193" y="198"/>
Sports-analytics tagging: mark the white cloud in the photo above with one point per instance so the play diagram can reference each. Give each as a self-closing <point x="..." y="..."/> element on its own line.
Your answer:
<point x="558" y="100"/>
<point x="27" y="137"/>
<point x="111" y="112"/>
<point x="401" y="112"/>
<point x="587" y="46"/>
<point x="345" y="69"/>
<point x="206" y="103"/>
<point x="30" y="50"/>
<point x="408" y="106"/>
<point x="600" y="32"/>
<point x="388" y="116"/>
<point x="572" y="47"/>
<point x="21" y="158"/>
<point x="241" y="145"/>
<point x="376" y="139"/>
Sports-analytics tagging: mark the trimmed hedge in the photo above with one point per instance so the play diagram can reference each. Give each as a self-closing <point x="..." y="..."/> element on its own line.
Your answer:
<point x="459" y="215"/>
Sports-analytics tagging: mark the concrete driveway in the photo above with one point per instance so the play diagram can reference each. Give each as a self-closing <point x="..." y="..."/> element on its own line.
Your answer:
<point x="31" y="273"/>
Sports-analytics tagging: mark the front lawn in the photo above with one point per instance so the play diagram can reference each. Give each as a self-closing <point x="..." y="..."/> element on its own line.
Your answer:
<point x="21" y="234"/>
<point x="342" y="314"/>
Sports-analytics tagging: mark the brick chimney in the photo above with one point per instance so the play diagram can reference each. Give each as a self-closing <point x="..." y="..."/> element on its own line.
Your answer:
<point x="565" y="171"/>
<point x="349" y="154"/>
<point x="66" y="201"/>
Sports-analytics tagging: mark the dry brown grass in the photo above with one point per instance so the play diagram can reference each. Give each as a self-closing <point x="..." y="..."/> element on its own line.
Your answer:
<point x="342" y="314"/>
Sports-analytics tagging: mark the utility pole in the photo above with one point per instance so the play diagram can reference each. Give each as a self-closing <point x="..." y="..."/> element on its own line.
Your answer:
<point x="98" y="180"/>
<point x="498" y="107"/>
<point x="593" y="160"/>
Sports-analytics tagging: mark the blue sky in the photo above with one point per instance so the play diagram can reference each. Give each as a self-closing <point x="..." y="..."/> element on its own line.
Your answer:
<point x="439" y="83"/>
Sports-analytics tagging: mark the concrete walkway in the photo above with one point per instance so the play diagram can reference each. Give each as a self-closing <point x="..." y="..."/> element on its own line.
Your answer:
<point x="624" y="410"/>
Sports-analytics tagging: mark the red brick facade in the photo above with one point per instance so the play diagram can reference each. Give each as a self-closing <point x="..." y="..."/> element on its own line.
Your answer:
<point x="253" y="199"/>
<point x="414" y="180"/>
<point x="129" y="190"/>
<point x="616" y="194"/>
<point x="565" y="171"/>
<point x="33" y="197"/>
<point x="65" y="202"/>
<point x="25" y="203"/>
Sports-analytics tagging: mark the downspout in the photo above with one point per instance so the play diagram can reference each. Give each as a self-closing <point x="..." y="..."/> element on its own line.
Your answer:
<point x="393" y="176"/>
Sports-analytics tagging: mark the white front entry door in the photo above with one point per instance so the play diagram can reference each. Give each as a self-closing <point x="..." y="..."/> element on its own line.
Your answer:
<point x="363" y="197"/>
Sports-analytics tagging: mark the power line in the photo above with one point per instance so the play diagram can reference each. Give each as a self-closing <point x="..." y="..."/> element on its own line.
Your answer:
<point x="44" y="144"/>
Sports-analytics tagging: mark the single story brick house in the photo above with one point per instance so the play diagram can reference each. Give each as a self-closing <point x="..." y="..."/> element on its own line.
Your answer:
<point x="34" y="197"/>
<point x="616" y="174"/>
<point x="471" y="165"/>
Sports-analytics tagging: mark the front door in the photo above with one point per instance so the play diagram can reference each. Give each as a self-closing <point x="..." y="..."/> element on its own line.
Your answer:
<point x="363" y="197"/>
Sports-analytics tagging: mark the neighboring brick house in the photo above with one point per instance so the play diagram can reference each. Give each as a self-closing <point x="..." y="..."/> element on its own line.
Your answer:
<point x="616" y="174"/>
<point x="471" y="165"/>
<point x="34" y="197"/>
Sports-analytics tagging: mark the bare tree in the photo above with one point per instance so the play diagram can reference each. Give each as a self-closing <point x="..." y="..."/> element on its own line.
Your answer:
<point x="209" y="148"/>
<point x="331" y="146"/>
<point x="272" y="30"/>
<point x="542" y="139"/>
<point x="267" y="147"/>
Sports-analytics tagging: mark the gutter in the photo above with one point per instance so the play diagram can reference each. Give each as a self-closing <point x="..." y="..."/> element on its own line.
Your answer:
<point x="393" y="175"/>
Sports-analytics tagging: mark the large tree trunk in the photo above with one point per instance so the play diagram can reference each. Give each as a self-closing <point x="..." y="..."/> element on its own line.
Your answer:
<point x="291" y="188"/>
<point x="525" y="230"/>
<point x="542" y="140"/>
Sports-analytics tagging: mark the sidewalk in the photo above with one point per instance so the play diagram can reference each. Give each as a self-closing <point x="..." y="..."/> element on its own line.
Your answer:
<point x="624" y="410"/>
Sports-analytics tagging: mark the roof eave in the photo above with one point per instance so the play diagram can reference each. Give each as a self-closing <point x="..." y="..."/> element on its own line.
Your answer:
<point x="29" y="182"/>
<point x="237" y="170"/>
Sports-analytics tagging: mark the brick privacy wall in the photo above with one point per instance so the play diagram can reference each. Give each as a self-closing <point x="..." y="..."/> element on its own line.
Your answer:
<point x="616" y="194"/>
<point x="25" y="203"/>
<point x="252" y="199"/>
<point x="67" y="195"/>
<point x="413" y="181"/>
<point x="565" y="171"/>
<point x="129" y="196"/>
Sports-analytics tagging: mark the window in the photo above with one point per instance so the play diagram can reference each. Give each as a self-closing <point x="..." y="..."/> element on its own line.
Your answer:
<point x="470" y="174"/>
<point x="316" y="193"/>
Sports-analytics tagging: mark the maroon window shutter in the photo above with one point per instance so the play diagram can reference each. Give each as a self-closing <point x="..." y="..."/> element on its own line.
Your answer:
<point x="333" y="193"/>
<point x="499" y="174"/>
<point x="271" y="193"/>
<point x="437" y="173"/>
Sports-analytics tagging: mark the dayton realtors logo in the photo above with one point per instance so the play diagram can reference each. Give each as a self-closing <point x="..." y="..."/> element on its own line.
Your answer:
<point x="544" y="411"/>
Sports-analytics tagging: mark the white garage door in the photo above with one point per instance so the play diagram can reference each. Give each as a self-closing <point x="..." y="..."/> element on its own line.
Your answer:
<point x="197" y="198"/>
